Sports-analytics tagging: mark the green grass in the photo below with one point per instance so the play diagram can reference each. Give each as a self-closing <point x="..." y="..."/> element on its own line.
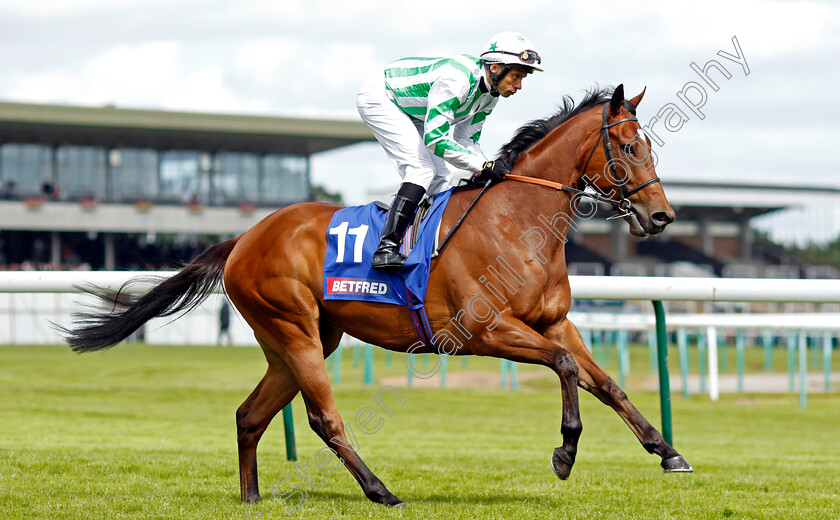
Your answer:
<point x="148" y="432"/>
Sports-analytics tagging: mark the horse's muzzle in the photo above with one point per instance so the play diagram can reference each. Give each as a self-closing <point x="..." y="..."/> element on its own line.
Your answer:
<point x="659" y="220"/>
<point x="643" y="224"/>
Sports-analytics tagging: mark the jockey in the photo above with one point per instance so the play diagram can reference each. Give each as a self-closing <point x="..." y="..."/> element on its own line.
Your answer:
<point x="427" y="113"/>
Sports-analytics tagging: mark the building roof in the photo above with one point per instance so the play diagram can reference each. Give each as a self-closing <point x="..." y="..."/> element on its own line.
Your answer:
<point x="734" y="201"/>
<point x="119" y="127"/>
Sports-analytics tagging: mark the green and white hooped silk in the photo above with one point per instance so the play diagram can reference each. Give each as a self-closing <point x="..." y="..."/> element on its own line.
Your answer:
<point x="442" y="93"/>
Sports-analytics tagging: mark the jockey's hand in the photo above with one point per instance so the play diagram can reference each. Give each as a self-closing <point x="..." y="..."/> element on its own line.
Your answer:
<point x="494" y="170"/>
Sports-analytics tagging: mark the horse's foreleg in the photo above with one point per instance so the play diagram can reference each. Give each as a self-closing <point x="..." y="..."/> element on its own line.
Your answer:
<point x="593" y="379"/>
<point x="276" y="389"/>
<point x="512" y="339"/>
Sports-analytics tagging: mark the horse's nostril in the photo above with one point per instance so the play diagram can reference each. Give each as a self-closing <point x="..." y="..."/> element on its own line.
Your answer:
<point x="662" y="218"/>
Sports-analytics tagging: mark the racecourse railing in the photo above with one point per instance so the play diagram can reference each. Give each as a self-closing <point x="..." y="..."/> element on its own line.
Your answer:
<point x="655" y="289"/>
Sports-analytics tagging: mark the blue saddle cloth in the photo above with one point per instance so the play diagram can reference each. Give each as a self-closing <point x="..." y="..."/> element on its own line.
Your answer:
<point x="352" y="238"/>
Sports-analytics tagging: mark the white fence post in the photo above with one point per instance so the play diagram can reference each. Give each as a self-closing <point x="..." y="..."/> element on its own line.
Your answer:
<point x="714" y="381"/>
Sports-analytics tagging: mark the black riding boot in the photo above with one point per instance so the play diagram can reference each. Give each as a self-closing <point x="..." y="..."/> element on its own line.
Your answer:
<point x="387" y="256"/>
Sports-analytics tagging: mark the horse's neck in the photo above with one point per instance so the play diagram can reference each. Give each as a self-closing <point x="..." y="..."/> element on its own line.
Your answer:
<point x="559" y="158"/>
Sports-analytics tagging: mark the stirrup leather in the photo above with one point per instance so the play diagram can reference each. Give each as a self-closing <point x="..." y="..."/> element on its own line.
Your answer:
<point x="387" y="256"/>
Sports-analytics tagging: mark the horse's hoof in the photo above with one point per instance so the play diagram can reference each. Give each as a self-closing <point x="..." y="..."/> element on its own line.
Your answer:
<point x="393" y="502"/>
<point x="250" y="499"/>
<point x="676" y="465"/>
<point x="386" y="499"/>
<point x="561" y="465"/>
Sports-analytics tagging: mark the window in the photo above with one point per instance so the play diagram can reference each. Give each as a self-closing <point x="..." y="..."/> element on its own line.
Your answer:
<point x="81" y="172"/>
<point x="24" y="168"/>
<point x="236" y="178"/>
<point x="181" y="179"/>
<point x="285" y="179"/>
<point x="134" y="174"/>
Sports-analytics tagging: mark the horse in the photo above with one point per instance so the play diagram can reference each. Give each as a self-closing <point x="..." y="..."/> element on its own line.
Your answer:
<point x="273" y="275"/>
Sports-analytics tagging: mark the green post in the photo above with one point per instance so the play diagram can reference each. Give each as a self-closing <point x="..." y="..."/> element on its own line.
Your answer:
<point x="337" y="365"/>
<point x="723" y="353"/>
<point x="701" y="360"/>
<point x="289" y="429"/>
<point x="664" y="383"/>
<point x="598" y="346"/>
<point x="503" y="373"/>
<point x="828" y="339"/>
<point x="388" y="356"/>
<point x="444" y="360"/>
<point x="412" y="359"/>
<point x="740" y="344"/>
<point x="368" y="374"/>
<point x="791" y="345"/>
<point x="652" y="349"/>
<point x="803" y="369"/>
<point x="586" y="336"/>
<point x="682" y="345"/>
<point x="622" y="342"/>
<point x="626" y="353"/>
<point x="330" y="361"/>
<point x="767" y="339"/>
<point x="514" y="375"/>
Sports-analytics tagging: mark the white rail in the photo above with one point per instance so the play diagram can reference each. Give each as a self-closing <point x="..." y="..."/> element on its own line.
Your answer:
<point x="583" y="287"/>
<point x="704" y="289"/>
<point x="67" y="281"/>
<point x="813" y="321"/>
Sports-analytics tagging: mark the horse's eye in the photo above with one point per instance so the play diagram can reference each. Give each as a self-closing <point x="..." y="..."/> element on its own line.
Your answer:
<point x="628" y="149"/>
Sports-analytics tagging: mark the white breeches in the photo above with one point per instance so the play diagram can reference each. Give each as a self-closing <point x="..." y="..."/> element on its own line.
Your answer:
<point x="402" y="138"/>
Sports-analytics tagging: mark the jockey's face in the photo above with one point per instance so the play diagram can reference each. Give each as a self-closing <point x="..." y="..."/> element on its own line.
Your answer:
<point x="511" y="82"/>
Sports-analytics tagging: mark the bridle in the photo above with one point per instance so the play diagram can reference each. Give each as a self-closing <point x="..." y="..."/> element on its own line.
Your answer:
<point x="622" y="205"/>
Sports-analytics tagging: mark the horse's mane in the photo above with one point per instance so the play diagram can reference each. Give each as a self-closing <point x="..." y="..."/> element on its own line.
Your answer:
<point x="530" y="133"/>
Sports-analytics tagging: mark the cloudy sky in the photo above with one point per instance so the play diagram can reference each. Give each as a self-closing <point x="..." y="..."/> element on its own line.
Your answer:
<point x="779" y="123"/>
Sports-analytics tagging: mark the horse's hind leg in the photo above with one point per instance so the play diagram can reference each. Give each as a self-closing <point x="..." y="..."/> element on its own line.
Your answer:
<point x="276" y="389"/>
<point x="593" y="379"/>
<point x="305" y="358"/>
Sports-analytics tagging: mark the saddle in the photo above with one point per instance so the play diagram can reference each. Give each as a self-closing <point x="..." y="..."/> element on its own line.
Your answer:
<point x="420" y="215"/>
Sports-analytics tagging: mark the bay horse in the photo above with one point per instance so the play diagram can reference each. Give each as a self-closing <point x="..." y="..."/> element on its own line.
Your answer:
<point x="273" y="275"/>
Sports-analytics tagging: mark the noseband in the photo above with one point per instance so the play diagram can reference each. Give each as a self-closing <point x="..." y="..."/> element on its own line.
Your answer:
<point x="623" y="204"/>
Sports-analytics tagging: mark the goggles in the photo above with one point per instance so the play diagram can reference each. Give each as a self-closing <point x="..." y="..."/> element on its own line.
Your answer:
<point x="529" y="57"/>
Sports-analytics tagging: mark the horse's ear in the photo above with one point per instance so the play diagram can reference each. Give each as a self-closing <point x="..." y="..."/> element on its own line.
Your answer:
<point x="636" y="100"/>
<point x="617" y="99"/>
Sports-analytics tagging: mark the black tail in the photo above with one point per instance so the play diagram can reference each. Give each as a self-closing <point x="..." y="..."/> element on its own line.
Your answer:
<point x="180" y="293"/>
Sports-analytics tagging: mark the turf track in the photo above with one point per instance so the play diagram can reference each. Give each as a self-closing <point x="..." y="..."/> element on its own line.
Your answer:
<point x="148" y="432"/>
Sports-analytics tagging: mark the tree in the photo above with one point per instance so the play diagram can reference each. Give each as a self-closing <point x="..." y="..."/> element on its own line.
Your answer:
<point x="322" y="194"/>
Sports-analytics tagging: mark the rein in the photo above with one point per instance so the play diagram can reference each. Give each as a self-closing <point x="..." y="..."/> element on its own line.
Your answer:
<point x="461" y="220"/>
<point x="539" y="182"/>
<point x="562" y="187"/>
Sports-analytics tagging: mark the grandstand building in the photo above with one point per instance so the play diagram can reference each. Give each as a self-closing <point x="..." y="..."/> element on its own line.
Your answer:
<point x="109" y="188"/>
